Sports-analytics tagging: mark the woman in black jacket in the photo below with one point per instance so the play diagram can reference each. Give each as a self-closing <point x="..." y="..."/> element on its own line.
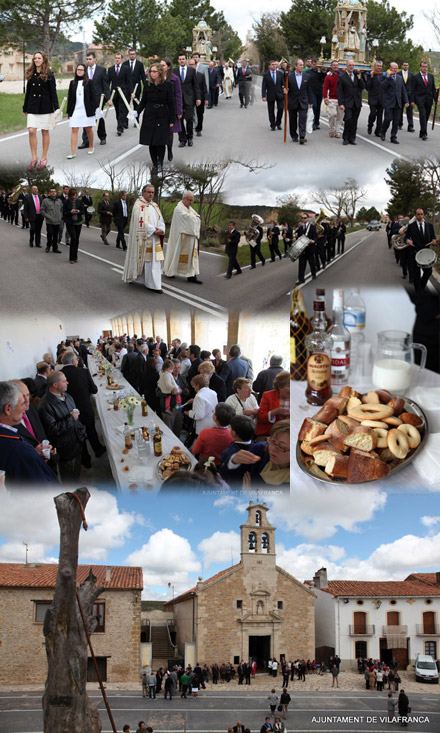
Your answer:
<point x="73" y="210"/>
<point x="40" y="103"/>
<point x="81" y="107"/>
<point x="159" y="110"/>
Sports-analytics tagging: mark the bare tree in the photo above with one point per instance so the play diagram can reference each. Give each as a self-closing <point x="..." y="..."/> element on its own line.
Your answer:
<point x="341" y="199"/>
<point x="433" y="16"/>
<point x="66" y="706"/>
<point x="431" y="171"/>
<point x="78" y="180"/>
<point x="114" y="174"/>
<point x="353" y="195"/>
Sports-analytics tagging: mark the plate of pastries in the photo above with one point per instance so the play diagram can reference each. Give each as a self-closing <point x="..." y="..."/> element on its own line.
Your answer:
<point x="355" y="438"/>
<point x="172" y="462"/>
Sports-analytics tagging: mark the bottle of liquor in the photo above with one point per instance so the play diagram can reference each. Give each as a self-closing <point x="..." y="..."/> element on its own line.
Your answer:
<point x="354" y="320"/>
<point x="157" y="442"/>
<point x="320" y="295"/>
<point x="319" y="351"/>
<point x="144" y="408"/>
<point x="340" y="366"/>
<point x="127" y="436"/>
<point x="299" y="328"/>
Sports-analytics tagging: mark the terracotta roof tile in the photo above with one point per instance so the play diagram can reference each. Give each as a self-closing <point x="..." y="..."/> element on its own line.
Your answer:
<point x="381" y="588"/>
<point x="424" y="577"/>
<point x="209" y="580"/>
<point x="16" y="575"/>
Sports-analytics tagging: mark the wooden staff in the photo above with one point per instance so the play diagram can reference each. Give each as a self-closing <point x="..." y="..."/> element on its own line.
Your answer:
<point x="129" y="109"/>
<point x="435" y="108"/>
<point x="133" y="99"/>
<point x="101" y="101"/>
<point x="285" y="106"/>
<point x="110" y="100"/>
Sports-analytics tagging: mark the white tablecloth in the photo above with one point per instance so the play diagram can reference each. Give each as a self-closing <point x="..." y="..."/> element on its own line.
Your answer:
<point x="142" y="474"/>
<point x="421" y="474"/>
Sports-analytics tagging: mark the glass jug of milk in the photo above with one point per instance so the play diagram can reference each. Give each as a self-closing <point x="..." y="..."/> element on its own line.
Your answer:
<point x="394" y="359"/>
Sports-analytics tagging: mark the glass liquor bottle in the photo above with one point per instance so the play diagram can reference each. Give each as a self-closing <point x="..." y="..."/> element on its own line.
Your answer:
<point x="299" y="328"/>
<point x="319" y="350"/>
<point x="340" y="364"/>
<point x="157" y="442"/>
<point x="320" y="295"/>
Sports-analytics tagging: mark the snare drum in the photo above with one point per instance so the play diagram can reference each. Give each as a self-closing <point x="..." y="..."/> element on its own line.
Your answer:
<point x="426" y="258"/>
<point x="298" y="247"/>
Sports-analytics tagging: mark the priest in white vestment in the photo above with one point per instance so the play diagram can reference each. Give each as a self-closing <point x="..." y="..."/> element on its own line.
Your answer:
<point x="143" y="261"/>
<point x="182" y="251"/>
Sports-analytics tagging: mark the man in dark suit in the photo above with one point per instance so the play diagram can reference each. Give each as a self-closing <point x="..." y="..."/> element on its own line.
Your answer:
<point x="190" y="97"/>
<point x="119" y="77"/>
<point x="214" y="85"/>
<point x="63" y="196"/>
<point x="264" y="380"/>
<point x="87" y="201"/>
<point x="99" y="80"/>
<point x="40" y="379"/>
<point x="308" y="255"/>
<point x="127" y="363"/>
<point x="419" y="235"/>
<point x="407" y="77"/>
<point x="137" y="73"/>
<point x="30" y="428"/>
<point x="375" y="99"/>
<point x="272" y="87"/>
<point x="204" y="95"/>
<point x="105" y="211"/>
<point x="298" y="102"/>
<point x="394" y="99"/>
<point x="243" y="79"/>
<point x="423" y="94"/>
<point x="350" y="86"/>
<point x="234" y="368"/>
<point x="232" y="241"/>
<point x="32" y="214"/>
<point x="120" y="218"/>
<point x="21" y="199"/>
<point x="80" y="386"/>
<point x="316" y="77"/>
<point x="273" y="237"/>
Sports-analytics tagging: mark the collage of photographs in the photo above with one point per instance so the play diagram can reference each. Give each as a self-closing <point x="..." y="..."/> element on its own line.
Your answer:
<point x="220" y="488"/>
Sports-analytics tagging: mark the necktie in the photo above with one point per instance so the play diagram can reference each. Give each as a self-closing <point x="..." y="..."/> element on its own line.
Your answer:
<point x="37" y="204"/>
<point x="91" y="73"/>
<point x="274" y="77"/>
<point x="182" y="74"/>
<point x="421" y="228"/>
<point x="405" y="76"/>
<point x="425" y="80"/>
<point x="117" y="70"/>
<point x="132" y="66"/>
<point x="26" y="422"/>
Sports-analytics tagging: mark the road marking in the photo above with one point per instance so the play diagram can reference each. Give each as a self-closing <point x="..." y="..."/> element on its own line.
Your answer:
<point x="118" y="159"/>
<point x="202" y="251"/>
<point x="21" y="134"/>
<point x="195" y="297"/>
<point x="337" y="259"/>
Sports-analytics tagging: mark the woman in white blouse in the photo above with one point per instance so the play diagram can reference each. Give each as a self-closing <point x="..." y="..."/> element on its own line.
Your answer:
<point x="203" y="404"/>
<point x="243" y="401"/>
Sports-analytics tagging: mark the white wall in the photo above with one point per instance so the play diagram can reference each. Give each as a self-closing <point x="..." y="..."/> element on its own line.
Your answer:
<point x="325" y="621"/>
<point x="24" y="340"/>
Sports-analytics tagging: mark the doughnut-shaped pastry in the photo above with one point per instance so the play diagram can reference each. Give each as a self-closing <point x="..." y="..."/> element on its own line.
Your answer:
<point x="375" y="411"/>
<point x="374" y="424"/>
<point x="412" y="434"/>
<point x="393" y="420"/>
<point x="382" y="436"/>
<point x="398" y="443"/>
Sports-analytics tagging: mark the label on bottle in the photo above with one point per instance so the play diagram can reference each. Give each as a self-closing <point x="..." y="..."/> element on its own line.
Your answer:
<point x="354" y="319"/>
<point x="318" y="371"/>
<point x="340" y="363"/>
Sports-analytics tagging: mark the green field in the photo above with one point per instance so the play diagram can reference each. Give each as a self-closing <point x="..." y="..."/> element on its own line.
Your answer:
<point x="11" y="111"/>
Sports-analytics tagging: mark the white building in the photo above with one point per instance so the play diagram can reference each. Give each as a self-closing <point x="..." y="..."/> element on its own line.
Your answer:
<point x="381" y="620"/>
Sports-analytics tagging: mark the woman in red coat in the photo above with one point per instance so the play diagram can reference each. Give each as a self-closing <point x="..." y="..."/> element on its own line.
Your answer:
<point x="274" y="405"/>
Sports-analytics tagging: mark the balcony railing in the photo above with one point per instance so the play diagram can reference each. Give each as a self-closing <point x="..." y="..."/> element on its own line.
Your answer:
<point x="361" y="630"/>
<point x="425" y="630"/>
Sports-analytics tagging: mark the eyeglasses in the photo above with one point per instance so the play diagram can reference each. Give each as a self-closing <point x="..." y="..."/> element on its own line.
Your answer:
<point x="278" y="446"/>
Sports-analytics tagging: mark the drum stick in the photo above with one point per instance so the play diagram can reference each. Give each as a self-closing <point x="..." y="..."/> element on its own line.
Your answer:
<point x="101" y="101"/>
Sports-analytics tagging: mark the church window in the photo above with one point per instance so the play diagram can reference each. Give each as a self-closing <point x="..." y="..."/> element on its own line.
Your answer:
<point x="280" y="605"/>
<point x="265" y="542"/>
<point x="252" y="542"/>
<point x="40" y="608"/>
<point x="258" y="518"/>
<point x="239" y="604"/>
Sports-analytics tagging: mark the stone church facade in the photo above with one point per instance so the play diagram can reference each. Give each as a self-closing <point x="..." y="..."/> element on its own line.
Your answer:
<point x="254" y="609"/>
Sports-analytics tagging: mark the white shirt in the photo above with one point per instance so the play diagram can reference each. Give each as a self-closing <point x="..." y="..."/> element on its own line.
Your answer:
<point x="203" y="409"/>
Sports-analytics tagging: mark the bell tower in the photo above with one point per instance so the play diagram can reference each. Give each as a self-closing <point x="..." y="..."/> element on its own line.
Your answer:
<point x="257" y="538"/>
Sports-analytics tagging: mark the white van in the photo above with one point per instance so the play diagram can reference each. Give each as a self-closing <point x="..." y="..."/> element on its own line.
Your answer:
<point x="426" y="669"/>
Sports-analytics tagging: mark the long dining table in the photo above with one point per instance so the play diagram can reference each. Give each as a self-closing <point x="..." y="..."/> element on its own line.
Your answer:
<point x="138" y="467"/>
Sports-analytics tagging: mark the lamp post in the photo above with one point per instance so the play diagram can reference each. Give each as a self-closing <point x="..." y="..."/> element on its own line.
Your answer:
<point x="171" y="585"/>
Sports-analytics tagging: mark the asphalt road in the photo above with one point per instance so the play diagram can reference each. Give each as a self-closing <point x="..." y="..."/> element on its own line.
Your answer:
<point x="214" y="712"/>
<point x="240" y="134"/>
<point x="95" y="284"/>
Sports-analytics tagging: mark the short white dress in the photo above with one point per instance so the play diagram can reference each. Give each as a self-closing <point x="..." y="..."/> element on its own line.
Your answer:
<point x="79" y="117"/>
<point x="42" y="122"/>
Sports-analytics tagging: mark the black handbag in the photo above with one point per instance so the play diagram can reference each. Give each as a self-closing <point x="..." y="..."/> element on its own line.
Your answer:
<point x="279" y="708"/>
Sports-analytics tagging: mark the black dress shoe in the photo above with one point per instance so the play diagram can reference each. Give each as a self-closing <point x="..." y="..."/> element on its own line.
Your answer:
<point x="83" y="146"/>
<point x="279" y="127"/>
<point x="424" y="137"/>
<point x="253" y="267"/>
<point x="239" y="272"/>
<point x="198" y="133"/>
<point x="194" y="279"/>
<point x="272" y="127"/>
<point x="345" y="142"/>
<point x="382" y="136"/>
<point x="295" y="139"/>
<point x="182" y="144"/>
<point x="352" y="142"/>
<point x="241" y="106"/>
<point x="190" y="143"/>
<point x="38" y="245"/>
<point x="57" y="252"/>
<point x="170" y="154"/>
<point x="395" y="140"/>
<point x="370" y="130"/>
<point x="119" y="133"/>
<point x="118" y="246"/>
<point x="411" y="129"/>
<point x="302" y="140"/>
<point x="170" y="277"/>
<point x="103" y="142"/>
<point x="227" y="277"/>
<point x="30" y="244"/>
<point x="47" y="249"/>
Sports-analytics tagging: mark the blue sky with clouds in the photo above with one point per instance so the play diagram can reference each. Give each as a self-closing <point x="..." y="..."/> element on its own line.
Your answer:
<point x="356" y="534"/>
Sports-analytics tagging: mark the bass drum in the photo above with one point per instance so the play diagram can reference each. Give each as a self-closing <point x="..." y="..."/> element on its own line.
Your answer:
<point x="298" y="247"/>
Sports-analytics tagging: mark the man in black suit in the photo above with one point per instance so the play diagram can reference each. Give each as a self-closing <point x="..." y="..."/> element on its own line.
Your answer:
<point x="299" y="100"/>
<point x="204" y="95"/>
<point x="31" y="428"/>
<point x="127" y="362"/>
<point x="87" y="201"/>
<point x="40" y="379"/>
<point x="407" y="77"/>
<point x="120" y="218"/>
<point x="80" y="386"/>
<point x="32" y="214"/>
<point x="394" y="99"/>
<point x="137" y="73"/>
<point x="316" y="77"/>
<point x="273" y="237"/>
<point x="375" y="99"/>
<point x="419" y="235"/>
<point x="350" y="86"/>
<point x="423" y="94"/>
<point x="99" y="80"/>
<point x="243" y="79"/>
<point x="308" y="255"/>
<point x="190" y="97"/>
<point x="214" y="85"/>
<point x="119" y="77"/>
<point x="63" y="196"/>
<point x="105" y="211"/>
<point x="21" y="199"/>
<point x="232" y="242"/>
<point x="272" y="87"/>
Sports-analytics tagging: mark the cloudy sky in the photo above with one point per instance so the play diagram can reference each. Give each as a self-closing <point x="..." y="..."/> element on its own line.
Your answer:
<point x="355" y="533"/>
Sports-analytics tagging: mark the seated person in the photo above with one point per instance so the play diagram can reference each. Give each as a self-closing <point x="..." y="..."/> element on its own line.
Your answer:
<point x="242" y="431"/>
<point x="274" y="405"/>
<point x="213" y="441"/>
<point x="267" y="462"/>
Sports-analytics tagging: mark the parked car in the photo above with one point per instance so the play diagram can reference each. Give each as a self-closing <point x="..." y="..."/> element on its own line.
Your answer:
<point x="373" y="226"/>
<point x="426" y="669"/>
